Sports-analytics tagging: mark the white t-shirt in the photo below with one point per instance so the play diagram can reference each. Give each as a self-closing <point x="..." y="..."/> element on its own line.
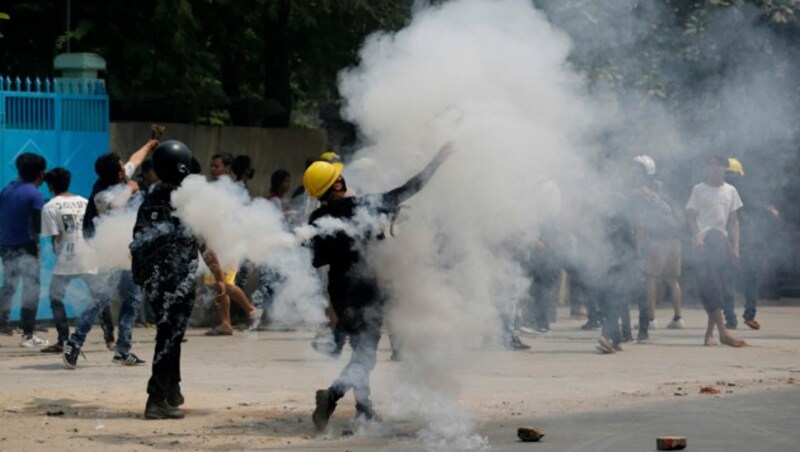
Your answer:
<point x="63" y="216"/>
<point x="116" y="196"/>
<point x="714" y="206"/>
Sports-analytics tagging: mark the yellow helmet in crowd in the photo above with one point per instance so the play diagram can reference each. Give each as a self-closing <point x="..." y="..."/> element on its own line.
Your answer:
<point x="735" y="166"/>
<point x="330" y="157"/>
<point x="320" y="176"/>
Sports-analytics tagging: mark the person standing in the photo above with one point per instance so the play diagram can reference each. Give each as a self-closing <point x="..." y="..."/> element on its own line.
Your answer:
<point x="352" y="282"/>
<point x="754" y="218"/>
<point x="21" y="205"/>
<point x="164" y="260"/>
<point x="711" y="211"/>
<point x="62" y="220"/>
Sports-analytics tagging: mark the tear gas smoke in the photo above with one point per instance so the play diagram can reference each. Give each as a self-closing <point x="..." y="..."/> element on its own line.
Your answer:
<point x="113" y="234"/>
<point x="491" y="78"/>
<point x="236" y="228"/>
<point x="535" y="142"/>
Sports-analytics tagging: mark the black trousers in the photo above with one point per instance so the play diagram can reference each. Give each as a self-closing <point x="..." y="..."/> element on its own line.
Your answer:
<point x="713" y="275"/>
<point x="172" y="304"/>
<point x="20" y="265"/>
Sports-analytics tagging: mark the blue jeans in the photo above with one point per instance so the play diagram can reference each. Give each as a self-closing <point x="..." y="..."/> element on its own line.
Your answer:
<point x="130" y="298"/>
<point x="20" y="265"/>
<point x="363" y="328"/>
<point x="58" y="288"/>
<point x="624" y="284"/>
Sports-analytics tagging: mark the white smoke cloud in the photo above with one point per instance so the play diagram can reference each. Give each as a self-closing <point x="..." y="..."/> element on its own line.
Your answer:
<point x="492" y="78"/>
<point x="113" y="234"/>
<point x="237" y="227"/>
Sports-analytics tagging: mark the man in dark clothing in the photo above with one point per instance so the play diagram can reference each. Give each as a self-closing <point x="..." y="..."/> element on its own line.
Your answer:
<point x="755" y="218"/>
<point x="164" y="261"/>
<point x="624" y="279"/>
<point x="340" y="242"/>
<point x="21" y="205"/>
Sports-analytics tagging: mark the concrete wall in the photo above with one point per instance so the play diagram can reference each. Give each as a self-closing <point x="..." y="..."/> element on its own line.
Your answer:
<point x="269" y="149"/>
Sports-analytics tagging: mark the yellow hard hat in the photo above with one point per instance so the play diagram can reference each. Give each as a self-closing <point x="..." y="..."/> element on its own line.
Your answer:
<point x="735" y="166"/>
<point x="320" y="176"/>
<point x="330" y="157"/>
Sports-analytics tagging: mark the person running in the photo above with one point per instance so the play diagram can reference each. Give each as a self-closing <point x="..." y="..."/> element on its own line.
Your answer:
<point x="222" y="166"/>
<point x="114" y="190"/>
<point x="164" y="260"/>
<point x="62" y="220"/>
<point x="711" y="211"/>
<point x="21" y="205"/>
<point x="223" y="303"/>
<point x="352" y="284"/>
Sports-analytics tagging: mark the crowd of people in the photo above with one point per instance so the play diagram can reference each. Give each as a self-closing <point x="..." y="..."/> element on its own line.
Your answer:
<point x="644" y="228"/>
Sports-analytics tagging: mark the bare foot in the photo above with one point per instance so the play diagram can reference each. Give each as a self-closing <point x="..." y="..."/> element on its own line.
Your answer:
<point x="732" y="341"/>
<point x="711" y="341"/>
<point x="220" y="330"/>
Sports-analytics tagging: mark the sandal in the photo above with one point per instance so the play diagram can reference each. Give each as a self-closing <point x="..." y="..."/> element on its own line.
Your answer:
<point x="753" y="323"/>
<point x="605" y="346"/>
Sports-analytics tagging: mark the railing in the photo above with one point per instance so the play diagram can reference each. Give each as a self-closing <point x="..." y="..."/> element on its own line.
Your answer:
<point x="64" y="120"/>
<point x="64" y="104"/>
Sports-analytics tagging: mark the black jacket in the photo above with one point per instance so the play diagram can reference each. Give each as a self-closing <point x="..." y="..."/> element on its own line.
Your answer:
<point x="351" y="283"/>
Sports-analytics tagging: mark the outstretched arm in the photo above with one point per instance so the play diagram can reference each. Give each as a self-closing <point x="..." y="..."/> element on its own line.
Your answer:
<point x="400" y="194"/>
<point x="139" y="156"/>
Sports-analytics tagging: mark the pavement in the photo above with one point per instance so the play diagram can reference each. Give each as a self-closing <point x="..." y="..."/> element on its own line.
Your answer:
<point x="255" y="391"/>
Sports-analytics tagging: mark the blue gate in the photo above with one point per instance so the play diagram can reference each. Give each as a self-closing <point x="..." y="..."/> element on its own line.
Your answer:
<point x="66" y="122"/>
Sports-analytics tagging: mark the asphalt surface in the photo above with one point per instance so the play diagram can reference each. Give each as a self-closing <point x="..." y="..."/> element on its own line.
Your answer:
<point x="765" y="422"/>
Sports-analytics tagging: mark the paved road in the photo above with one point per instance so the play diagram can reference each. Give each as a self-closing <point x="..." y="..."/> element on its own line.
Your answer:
<point x="766" y="422"/>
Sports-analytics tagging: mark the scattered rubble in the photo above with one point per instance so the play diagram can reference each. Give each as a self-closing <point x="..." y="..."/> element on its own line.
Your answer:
<point x="671" y="443"/>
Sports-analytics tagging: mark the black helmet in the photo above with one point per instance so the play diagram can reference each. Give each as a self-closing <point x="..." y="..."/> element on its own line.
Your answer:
<point x="172" y="161"/>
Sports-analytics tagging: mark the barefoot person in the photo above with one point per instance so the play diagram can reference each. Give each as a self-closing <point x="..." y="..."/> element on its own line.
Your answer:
<point x="352" y="284"/>
<point x="711" y="211"/>
<point x="223" y="304"/>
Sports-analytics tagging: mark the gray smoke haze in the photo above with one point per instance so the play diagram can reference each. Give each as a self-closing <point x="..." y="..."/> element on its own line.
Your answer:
<point x="537" y="134"/>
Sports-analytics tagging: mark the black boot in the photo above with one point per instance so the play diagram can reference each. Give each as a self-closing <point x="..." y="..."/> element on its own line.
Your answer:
<point x="160" y="409"/>
<point x="326" y="403"/>
<point x="175" y="398"/>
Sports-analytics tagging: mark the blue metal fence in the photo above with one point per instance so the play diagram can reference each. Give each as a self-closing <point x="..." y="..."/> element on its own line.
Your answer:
<point x="64" y="120"/>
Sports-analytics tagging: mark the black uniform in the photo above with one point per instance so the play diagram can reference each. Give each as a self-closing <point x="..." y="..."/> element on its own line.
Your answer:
<point x="352" y="284"/>
<point x="165" y="258"/>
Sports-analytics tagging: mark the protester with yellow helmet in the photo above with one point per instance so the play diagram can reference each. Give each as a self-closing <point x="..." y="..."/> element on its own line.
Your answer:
<point x="735" y="166"/>
<point x="754" y="218"/>
<point x="352" y="283"/>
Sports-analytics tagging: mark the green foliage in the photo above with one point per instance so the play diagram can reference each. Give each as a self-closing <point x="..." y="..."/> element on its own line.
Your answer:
<point x="4" y="16"/>
<point x="273" y="62"/>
